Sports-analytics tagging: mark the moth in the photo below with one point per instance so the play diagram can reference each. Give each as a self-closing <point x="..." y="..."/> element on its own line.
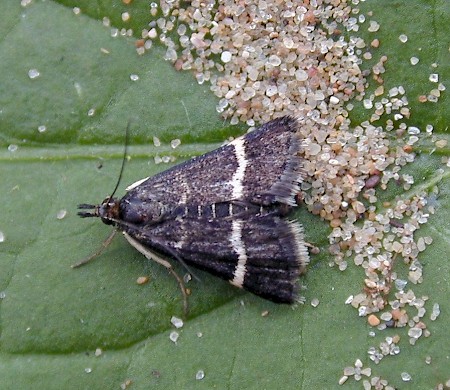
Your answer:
<point x="224" y="212"/>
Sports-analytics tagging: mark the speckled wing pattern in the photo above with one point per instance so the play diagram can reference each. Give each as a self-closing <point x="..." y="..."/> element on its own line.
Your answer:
<point x="225" y="212"/>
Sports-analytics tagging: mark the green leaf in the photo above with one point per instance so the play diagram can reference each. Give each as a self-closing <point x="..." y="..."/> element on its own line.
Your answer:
<point x="52" y="318"/>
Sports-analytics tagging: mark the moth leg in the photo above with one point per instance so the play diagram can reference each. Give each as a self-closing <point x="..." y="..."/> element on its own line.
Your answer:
<point x="153" y="256"/>
<point x="97" y="252"/>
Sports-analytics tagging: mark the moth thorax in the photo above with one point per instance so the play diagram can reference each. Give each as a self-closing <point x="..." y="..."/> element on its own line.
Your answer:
<point x="137" y="211"/>
<point x="109" y="211"/>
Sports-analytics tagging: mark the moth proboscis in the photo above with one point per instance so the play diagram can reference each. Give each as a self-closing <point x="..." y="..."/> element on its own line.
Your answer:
<point x="223" y="212"/>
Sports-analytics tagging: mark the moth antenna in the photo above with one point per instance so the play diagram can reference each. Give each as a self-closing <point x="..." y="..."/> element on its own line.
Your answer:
<point x="183" y="291"/>
<point x="127" y="136"/>
<point x="97" y="252"/>
<point x="180" y="260"/>
<point x="160" y="260"/>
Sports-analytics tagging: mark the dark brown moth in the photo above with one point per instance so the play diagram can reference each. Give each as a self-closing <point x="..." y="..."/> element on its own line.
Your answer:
<point x="224" y="212"/>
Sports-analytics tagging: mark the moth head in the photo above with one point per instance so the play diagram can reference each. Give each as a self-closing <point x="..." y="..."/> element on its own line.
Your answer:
<point x="108" y="211"/>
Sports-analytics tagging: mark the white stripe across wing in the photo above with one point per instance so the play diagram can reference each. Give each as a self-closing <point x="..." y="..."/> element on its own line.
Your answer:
<point x="239" y="248"/>
<point x="238" y="177"/>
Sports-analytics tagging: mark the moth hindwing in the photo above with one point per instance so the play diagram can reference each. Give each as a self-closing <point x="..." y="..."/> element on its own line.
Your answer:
<point x="224" y="212"/>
